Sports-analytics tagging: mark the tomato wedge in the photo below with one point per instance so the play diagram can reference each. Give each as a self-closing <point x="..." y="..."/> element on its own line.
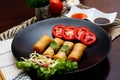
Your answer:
<point x="79" y="31"/>
<point x="68" y="33"/>
<point x="88" y="38"/>
<point x="57" y="30"/>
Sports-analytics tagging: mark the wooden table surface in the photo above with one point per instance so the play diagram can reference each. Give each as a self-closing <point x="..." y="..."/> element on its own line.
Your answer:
<point x="13" y="12"/>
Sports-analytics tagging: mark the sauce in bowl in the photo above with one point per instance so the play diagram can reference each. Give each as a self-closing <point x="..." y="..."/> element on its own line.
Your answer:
<point x="102" y="21"/>
<point x="79" y="16"/>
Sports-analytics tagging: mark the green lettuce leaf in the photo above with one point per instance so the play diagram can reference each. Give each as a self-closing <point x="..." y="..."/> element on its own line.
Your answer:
<point x="61" y="67"/>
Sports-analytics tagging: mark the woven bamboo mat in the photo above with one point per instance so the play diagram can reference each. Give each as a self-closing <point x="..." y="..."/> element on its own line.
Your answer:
<point x="112" y="29"/>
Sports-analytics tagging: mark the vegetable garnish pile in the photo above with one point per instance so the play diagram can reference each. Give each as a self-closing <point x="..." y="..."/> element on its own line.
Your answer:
<point x="45" y="66"/>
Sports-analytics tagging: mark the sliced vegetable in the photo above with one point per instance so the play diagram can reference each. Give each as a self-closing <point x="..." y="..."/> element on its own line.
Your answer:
<point x="71" y="33"/>
<point x="88" y="38"/>
<point x="57" y="30"/>
<point x="79" y="31"/>
<point x="37" y="62"/>
<point x="68" y="33"/>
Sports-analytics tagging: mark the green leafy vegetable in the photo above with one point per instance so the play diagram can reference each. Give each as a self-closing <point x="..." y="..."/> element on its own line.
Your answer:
<point x="60" y="66"/>
<point x="37" y="3"/>
<point x="54" y="45"/>
<point x="64" y="48"/>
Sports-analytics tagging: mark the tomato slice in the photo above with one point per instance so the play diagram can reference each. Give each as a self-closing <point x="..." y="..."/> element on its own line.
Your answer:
<point x="79" y="31"/>
<point x="57" y="30"/>
<point x="88" y="38"/>
<point x="68" y="33"/>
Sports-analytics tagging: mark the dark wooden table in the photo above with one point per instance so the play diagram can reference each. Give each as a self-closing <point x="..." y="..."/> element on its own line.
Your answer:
<point x="13" y="12"/>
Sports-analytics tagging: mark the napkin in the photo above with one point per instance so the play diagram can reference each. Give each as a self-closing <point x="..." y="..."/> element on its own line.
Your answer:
<point x="7" y="63"/>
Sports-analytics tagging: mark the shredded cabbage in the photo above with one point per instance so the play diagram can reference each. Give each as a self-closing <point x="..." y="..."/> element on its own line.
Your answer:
<point x="45" y="66"/>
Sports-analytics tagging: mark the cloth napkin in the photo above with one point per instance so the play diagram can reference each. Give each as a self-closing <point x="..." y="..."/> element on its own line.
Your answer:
<point x="7" y="63"/>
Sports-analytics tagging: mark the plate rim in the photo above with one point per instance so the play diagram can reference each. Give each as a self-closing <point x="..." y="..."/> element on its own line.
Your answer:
<point x="76" y="71"/>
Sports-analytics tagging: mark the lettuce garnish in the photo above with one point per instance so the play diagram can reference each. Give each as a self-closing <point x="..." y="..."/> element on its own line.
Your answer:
<point x="46" y="67"/>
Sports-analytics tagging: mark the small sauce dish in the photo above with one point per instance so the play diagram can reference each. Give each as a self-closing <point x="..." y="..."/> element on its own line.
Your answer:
<point x="94" y="15"/>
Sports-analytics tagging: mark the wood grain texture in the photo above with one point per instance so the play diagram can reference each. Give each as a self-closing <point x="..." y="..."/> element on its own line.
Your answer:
<point x="2" y="76"/>
<point x="13" y="12"/>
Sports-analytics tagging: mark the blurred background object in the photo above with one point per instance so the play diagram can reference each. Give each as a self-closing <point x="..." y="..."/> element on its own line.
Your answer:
<point x="13" y="12"/>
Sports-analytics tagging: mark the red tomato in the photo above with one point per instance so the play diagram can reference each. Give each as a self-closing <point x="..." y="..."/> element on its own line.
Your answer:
<point x="55" y="7"/>
<point x="88" y="38"/>
<point x="68" y="33"/>
<point x="57" y="30"/>
<point x="79" y="31"/>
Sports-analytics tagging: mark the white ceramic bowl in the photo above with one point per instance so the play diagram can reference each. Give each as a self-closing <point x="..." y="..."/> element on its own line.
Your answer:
<point x="93" y="14"/>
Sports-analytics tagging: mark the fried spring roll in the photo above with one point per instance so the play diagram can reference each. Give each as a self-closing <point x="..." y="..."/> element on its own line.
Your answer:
<point x="70" y="44"/>
<point x="77" y="52"/>
<point x="50" y="51"/>
<point x="42" y="43"/>
<point x="63" y="54"/>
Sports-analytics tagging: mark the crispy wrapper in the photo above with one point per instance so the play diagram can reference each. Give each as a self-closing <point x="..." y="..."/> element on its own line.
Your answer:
<point x="70" y="44"/>
<point x="62" y="54"/>
<point x="51" y="51"/>
<point x="42" y="43"/>
<point x="77" y="52"/>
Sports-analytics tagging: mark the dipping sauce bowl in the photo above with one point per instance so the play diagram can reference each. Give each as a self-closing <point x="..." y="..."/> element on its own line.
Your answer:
<point x="94" y="15"/>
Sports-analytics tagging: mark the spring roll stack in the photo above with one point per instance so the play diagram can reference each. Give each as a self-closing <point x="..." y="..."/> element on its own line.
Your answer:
<point x="74" y="51"/>
<point x="63" y="54"/>
<point x="50" y="51"/>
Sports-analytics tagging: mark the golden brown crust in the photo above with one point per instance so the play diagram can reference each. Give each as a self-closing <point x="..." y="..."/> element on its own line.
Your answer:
<point x="62" y="54"/>
<point x="42" y="43"/>
<point x="51" y="51"/>
<point x="70" y="44"/>
<point x="77" y="52"/>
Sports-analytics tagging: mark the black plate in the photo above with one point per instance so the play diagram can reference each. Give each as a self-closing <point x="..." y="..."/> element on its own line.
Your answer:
<point x="24" y="40"/>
